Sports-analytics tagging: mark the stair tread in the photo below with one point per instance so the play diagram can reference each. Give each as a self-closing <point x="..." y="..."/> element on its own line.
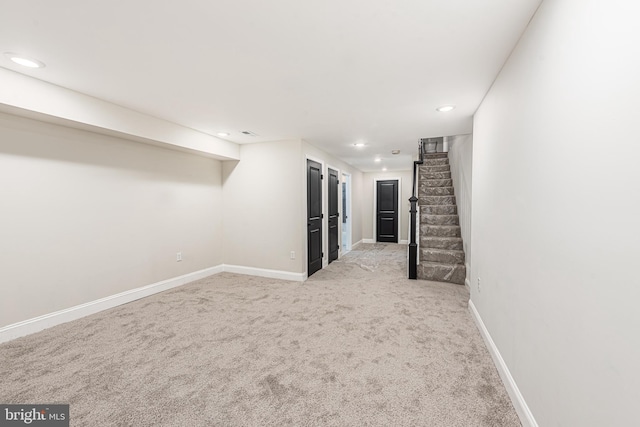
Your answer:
<point x="443" y="250"/>
<point x="439" y="264"/>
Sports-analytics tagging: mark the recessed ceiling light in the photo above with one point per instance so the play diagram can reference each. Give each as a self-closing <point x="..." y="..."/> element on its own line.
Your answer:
<point x="445" y="108"/>
<point x="24" y="60"/>
<point x="223" y="134"/>
<point x="384" y="169"/>
<point x="359" y="144"/>
<point x="394" y="152"/>
<point x="378" y="159"/>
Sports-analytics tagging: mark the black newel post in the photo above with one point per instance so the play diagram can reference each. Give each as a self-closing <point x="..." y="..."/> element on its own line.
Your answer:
<point x="413" y="245"/>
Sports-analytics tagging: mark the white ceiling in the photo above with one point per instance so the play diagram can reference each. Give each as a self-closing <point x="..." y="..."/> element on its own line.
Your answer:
<point x="333" y="72"/>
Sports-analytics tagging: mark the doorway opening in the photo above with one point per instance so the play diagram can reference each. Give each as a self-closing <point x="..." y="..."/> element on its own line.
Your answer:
<point x="346" y="213"/>
<point x="333" y="192"/>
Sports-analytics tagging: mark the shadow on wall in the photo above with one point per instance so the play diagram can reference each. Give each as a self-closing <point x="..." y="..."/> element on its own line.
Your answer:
<point x="228" y="166"/>
<point x="70" y="145"/>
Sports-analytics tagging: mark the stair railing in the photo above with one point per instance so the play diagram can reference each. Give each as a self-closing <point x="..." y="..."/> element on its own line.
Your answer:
<point x="413" y="243"/>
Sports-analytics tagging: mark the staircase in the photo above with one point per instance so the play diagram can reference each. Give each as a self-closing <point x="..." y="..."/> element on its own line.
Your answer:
<point x="441" y="254"/>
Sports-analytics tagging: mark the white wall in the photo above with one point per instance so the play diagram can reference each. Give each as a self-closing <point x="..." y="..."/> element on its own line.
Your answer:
<point x="461" y="162"/>
<point x="556" y="208"/>
<point x="265" y="205"/>
<point x="262" y="207"/>
<point x="84" y="216"/>
<point x="368" y="209"/>
<point x="310" y="151"/>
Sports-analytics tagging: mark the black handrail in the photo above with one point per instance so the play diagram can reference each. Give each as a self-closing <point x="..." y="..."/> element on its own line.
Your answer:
<point x="413" y="245"/>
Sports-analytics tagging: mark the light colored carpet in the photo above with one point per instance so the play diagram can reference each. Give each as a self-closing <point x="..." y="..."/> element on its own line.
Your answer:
<point x="357" y="344"/>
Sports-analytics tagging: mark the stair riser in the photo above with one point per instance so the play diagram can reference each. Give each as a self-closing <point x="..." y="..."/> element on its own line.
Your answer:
<point x="437" y="191"/>
<point x="439" y="219"/>
<point x="437" y="200"/>
<point x="431" y="162"/>
<point x="435" y="255"/>
<point x="452" y="243"/>
<point x="435" y="168"/>
<point x="438" y="209"/>
<point x="428" y="183"/>
<point x="440" y="230"/>
<point x="435" y="175"/>
<point x="451" y="273"/>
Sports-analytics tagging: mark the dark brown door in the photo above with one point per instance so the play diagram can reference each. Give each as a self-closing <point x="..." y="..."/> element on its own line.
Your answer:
<point x="314" y="217"/>
<point x="333" y="215"/>
<point x="387" y="211"/>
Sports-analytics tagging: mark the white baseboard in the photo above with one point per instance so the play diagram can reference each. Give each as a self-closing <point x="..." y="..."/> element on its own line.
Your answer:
<point x="403" y="242"/>
<point x="37" y="324"/>
<point x="263" y="272"/>
<point x="368" y="240"/>
<point x="355" y="245"/>
<point x="521" y="407"/>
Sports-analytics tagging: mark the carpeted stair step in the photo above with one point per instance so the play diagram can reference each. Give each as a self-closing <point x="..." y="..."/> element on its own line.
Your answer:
<point x="437" y="200"/>
<point x="436" y="168"/>
<point x="437" y="156"/>
<point x="440" y="230"/>
<point x="451" y="273"/>
<point x="435" y="175"/>
<point x="442" y="256"/>
<point x="426" y="183"/>
<point x="438" y="191"/>
<point x="429" y="219"/>
<point x="431" y="162"/>
<point x="454" y="243"/>
<point x="441" y="249"/>
<point x="438" y="209"/>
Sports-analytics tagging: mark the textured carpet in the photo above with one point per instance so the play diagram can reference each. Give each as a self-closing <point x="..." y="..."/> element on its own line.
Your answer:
<point x="355" y="345"/>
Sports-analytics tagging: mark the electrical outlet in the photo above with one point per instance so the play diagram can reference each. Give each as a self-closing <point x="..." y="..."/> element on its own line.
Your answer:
<point x="293" y="255"/>
<point x="179" y="256"/>
<point x="478" y="284"/>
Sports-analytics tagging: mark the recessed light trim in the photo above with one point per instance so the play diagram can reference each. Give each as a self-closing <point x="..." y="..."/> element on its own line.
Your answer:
<point x="384" y="169"/>
<point x="377" y="159"/>
<point x="25" y="61"/>
<point x="359" y="144"/>
<point x="223" y="134"/>
<point x="445" y="108"/>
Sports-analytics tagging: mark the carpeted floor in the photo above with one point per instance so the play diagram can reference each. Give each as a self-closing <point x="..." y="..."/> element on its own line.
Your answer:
<point x="357" y="344"/>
